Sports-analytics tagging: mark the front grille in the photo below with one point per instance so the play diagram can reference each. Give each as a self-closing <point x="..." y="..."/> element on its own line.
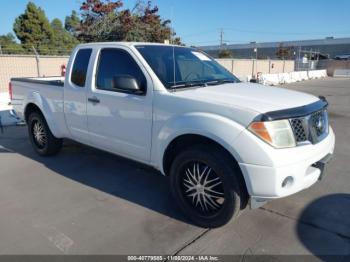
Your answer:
<point x="312" y="128"/>
<point x="315" y="118"/>
<point x="299" y="130"/>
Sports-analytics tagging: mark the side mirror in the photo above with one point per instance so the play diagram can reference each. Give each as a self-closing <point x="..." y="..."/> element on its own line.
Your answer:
<point x="127" y="83"/>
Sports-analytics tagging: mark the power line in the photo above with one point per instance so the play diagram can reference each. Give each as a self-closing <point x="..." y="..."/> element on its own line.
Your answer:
<point x="199" y="33"/>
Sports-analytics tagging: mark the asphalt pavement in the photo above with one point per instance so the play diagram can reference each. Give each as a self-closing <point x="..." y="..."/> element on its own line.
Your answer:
<point x="85" y="201"/>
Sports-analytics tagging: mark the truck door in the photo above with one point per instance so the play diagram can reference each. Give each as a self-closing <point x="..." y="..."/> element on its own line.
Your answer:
<point x="75" y="95"/>
<point x="120" y="121"/>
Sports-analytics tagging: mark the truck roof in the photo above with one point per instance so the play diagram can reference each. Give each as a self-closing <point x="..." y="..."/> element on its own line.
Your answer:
<point x="122" y="43"/>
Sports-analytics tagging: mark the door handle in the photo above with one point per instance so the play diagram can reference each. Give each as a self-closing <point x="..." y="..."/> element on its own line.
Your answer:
<point x="94" y="100"/>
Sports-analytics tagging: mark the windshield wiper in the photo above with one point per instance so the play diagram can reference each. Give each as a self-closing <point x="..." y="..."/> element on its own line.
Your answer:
<point x="188" y="84"/>
<point x="202" y="83"/>
<point x="219" y="82"/>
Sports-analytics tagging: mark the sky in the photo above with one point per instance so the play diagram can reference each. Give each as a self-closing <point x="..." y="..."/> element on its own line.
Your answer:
<point x="199" y="22"/>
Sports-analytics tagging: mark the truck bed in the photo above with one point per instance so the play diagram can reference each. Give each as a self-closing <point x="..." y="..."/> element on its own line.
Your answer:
<point x="52" y="80"/>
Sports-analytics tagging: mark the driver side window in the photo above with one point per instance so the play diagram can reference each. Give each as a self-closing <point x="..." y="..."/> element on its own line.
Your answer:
<point x="115" y="63"/>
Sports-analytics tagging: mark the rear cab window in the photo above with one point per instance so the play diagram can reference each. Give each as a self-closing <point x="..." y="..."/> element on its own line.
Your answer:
<point x="80" y="67"/>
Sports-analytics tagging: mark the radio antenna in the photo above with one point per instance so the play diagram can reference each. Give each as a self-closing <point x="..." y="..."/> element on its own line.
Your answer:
<point x="172" y="42"/>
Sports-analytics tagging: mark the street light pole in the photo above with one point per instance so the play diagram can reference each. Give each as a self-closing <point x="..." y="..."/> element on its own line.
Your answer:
<point x="256" y="61"/>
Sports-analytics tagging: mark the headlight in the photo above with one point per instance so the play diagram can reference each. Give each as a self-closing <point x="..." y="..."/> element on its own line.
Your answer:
<point x="277" y="133"/>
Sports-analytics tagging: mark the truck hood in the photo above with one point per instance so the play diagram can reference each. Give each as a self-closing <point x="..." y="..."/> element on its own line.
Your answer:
<point x="249" y="96"/>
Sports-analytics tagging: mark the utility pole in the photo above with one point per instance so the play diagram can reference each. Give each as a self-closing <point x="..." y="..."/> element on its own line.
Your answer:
<point x="171" y="25"/>
<point x="221" y="38"/>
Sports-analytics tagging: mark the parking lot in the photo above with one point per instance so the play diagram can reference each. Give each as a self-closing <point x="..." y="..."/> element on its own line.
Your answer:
<point x="85" y="201"/>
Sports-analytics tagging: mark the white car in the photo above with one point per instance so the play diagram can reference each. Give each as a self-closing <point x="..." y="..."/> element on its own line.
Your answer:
<point x="221" y="142"/>
<point x="342" y="57"/>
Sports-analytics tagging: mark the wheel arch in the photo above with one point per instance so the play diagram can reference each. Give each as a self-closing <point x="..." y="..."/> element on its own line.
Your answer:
<point x="30" y="108"/>
<point x="37" y="103"/>
<point x="185" y="141"/>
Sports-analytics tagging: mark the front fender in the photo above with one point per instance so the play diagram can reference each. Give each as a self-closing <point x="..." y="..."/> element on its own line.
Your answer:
<point x="217" y="128"/>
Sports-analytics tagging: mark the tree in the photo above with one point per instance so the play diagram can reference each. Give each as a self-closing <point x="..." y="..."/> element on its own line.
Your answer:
<point x="72" y="22"/>
<point x="9" y="45"/>
<point x="33" y="28"/>
<point x="105" y="21"/>
<point x="285" y="52"/>
<point x="224" y="53"/>
<point x="99" y="21"/>
<point x="62" y="41"/>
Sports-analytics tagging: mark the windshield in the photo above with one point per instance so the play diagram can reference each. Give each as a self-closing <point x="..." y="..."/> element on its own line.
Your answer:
<point x="179" y="67"/>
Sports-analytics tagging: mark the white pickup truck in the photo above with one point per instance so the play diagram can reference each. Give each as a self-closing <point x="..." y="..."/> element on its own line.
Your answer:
<point x="221" y="142"/>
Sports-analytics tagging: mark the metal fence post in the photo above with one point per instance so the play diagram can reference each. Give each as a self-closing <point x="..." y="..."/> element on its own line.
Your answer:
<point x="1" y="127"/>
<point x="232" y="67"/>
<point x="37" y="58"/>
<point x="298" y="67"/>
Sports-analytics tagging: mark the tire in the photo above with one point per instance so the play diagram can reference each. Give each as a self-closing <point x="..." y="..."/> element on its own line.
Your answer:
<point x="213" y="204"/>
<point x="41" y="138"/>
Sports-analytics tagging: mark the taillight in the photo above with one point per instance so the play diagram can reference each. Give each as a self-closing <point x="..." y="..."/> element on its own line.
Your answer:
<point x="10" y="91"/>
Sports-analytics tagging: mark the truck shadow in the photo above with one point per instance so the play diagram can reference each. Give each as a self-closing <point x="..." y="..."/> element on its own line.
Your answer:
<point x="324" y="227"/>
<point x="111" y="174"/>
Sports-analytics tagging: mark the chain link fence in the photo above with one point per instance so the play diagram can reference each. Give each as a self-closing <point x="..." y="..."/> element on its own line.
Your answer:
<point x="20" y="50"/>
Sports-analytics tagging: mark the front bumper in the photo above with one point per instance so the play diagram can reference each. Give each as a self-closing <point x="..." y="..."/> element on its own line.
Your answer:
<point x="301" y="167"/>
